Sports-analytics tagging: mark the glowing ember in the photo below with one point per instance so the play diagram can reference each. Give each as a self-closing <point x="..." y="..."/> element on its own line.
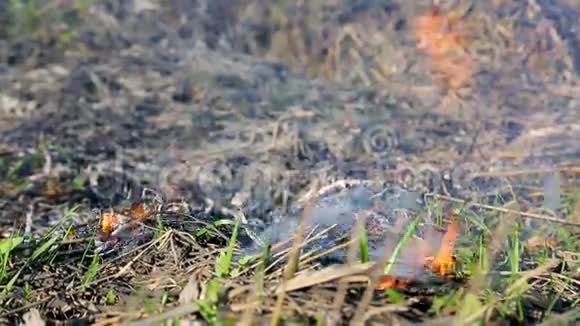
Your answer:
<point x="110" y="221"/>
<point x="390" y="282"/>
<point x="138" y="213"/>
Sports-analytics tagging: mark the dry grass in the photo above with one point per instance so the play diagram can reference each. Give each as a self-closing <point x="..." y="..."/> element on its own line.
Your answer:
<point x="501" y="255"/>
<point x="292" y="283"/>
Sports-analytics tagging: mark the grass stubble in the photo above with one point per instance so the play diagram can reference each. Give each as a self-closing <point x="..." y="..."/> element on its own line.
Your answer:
<point x="472" y="303"/>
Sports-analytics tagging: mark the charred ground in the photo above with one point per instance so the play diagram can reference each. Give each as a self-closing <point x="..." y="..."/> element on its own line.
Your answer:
<point x="222" y="110"/>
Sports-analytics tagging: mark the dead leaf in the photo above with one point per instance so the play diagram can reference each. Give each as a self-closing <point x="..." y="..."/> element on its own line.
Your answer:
<point x="536" y="242"/>
<point x="192" y="291"/>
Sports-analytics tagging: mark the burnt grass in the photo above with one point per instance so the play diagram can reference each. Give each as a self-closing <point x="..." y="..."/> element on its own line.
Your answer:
<point x="204" y="112"/>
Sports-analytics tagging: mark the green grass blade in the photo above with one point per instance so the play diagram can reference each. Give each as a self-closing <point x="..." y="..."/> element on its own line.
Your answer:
<point x="224" y="260"/>
<point x="364" y="245"/>
<point x="43" y="248"/>
<point x="408" y="234"/>
<point x="10" y="284"/>
<point x="7" y="245"/>
<point x="92" y="271"/>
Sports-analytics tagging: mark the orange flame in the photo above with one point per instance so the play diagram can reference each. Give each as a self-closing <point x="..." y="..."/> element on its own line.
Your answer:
<point x="442" y="37"/>
<point x="439" y="35"/>
<point x="391" y="282"/>
<point x="444" y="262"/>
<point x="109" y="221"/>
<point x="137" y="213"/>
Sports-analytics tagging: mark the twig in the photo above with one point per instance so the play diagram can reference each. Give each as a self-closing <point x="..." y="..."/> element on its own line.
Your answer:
<point x="282" y="254"/>
<point x="560" y="319"/>
<point x="514" y="173"/>
<point x="292" y="263"/>
<point x="326" y="252"/>
<point x="351" y="256"/>
<point x="26" y="307"/>
<point x="506" y="210"/>
<point x="139" y="255"/>
<point x="198" y="221"/>
<point x="180" y="311"/>
<point x="381" y="310"/>
<point x="308" y="259"/>
<point x="336" y="185"/>
<point x="29" y="215"/>
<point x="375" y="274"/>
<point x="524" y="277"/>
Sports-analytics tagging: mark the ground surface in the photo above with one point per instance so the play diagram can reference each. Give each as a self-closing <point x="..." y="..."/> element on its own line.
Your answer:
<point x="205" y="112"/>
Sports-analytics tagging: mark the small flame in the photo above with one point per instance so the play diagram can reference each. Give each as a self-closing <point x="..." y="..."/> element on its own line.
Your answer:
<point x="439" y="35"/>
<point x="444" y="262"/>
<point x="442" y="37"/>
<point x="109" y="222"/>
<point x="137" y="213"/>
